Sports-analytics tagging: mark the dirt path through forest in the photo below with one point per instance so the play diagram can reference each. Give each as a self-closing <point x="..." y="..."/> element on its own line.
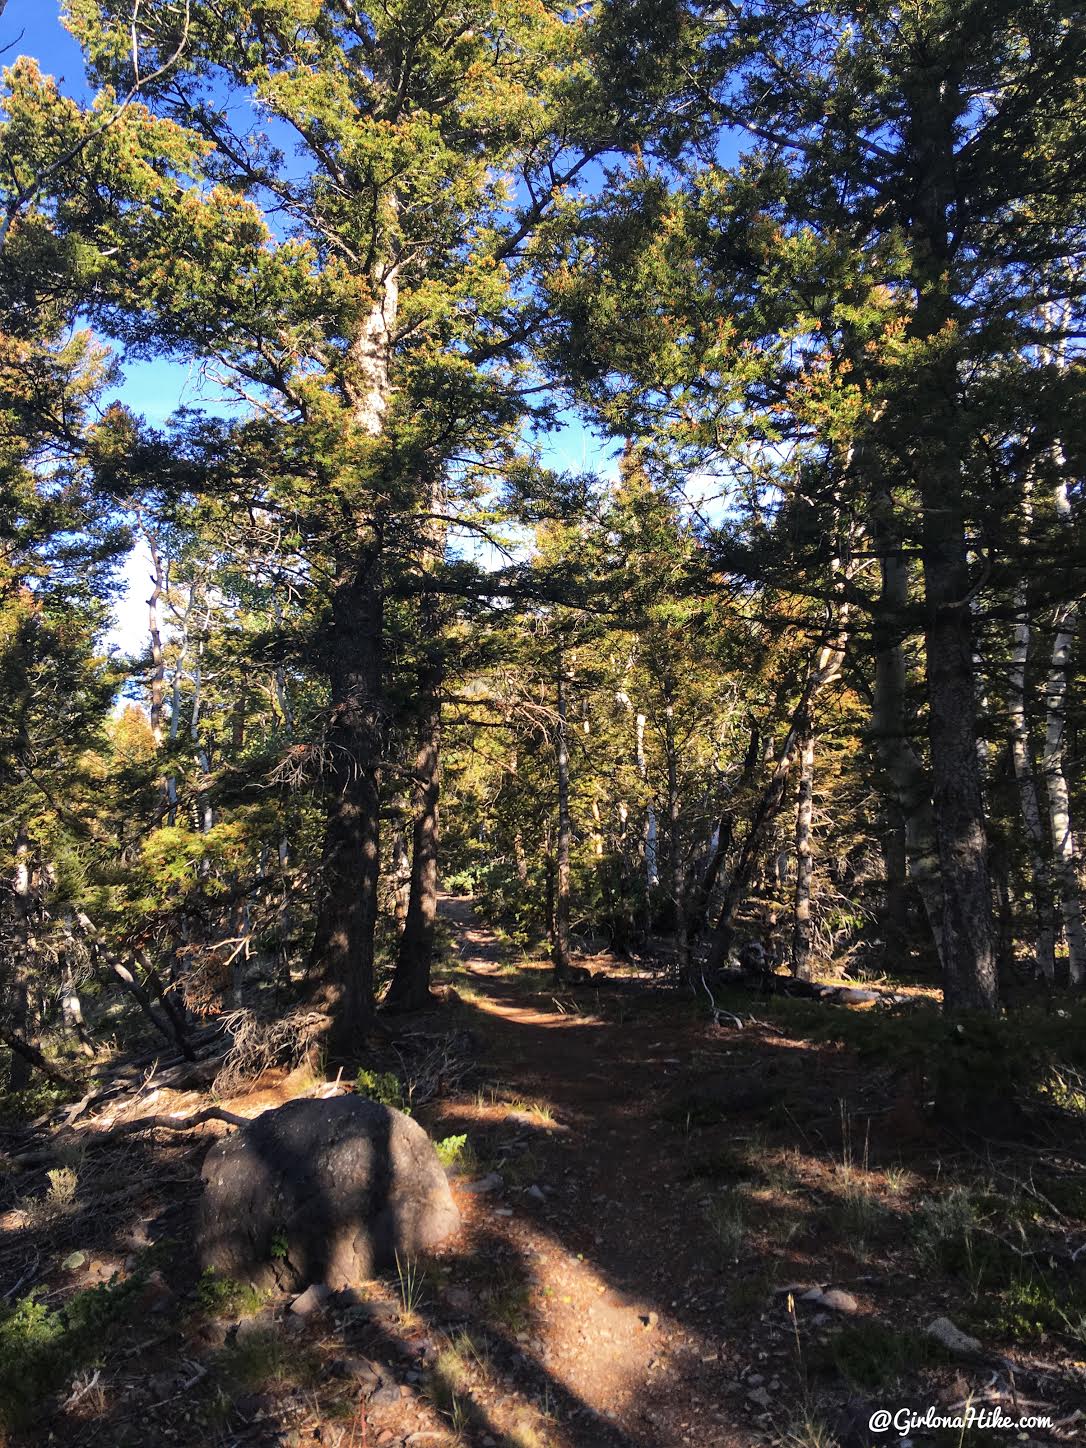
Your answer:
<point x="624" y="1323"/>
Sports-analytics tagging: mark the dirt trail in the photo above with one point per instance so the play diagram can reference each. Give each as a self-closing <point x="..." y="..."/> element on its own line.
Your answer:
<point x="627" y="1320"/>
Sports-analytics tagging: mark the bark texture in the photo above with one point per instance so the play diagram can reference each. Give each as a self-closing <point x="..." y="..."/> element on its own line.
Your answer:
<point x="801" y="933"/>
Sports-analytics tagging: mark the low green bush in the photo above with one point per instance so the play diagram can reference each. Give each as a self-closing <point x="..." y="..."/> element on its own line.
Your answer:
<point x="42" y="1347"/>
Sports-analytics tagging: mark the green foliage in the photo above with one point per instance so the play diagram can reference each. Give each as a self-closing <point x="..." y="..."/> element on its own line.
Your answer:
<point x="17" y="1107"/>
<point x="42" y="1346"/>
<point x="946" y="1231"/>
<point x="383" y="1087"/>
<point x="1032" y="1305"/>
<point x="453" y="1150"/>
<point x="220" y="1296"/>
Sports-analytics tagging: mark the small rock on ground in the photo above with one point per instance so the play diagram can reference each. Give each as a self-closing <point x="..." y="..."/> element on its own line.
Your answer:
<point x="951" y="1337"/>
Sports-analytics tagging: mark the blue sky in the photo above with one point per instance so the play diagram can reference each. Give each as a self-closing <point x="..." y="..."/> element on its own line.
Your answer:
<point x="155" y="388"/>
<point x="33" y="27"/>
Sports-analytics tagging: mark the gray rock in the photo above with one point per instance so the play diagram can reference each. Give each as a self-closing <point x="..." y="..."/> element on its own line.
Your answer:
<point x="759" y="1397"/>
<point x="374" y="1311"/>
<point x="213" y="1334"/>
<point x="313" y="1299"/>
<point x="492" y="1182"/>
<point x="361" y="1370"/>
<point x="386" y="1395"/>
<point x="835" y="1299"/>
<point x="261" y="1324"/>
<point x="838" y="1301"/>
<point x="338" y="1187"/>
<point x="952" y="1338"/>
<point x="535" y="1193"/>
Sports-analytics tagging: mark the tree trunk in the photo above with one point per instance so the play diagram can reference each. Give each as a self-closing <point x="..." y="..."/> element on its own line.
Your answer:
<point x="674" y="840"/>
<point x="1059" y="795"/>
<point x="175" y="700"/>
<point x="894" y="918"/>
<point x="342" y="956"/>
<point x="520" y="863"/>
<point x="824" y="669"/>
<point x="801" y="933"/>
<point x="548" y="896"/>
<point x="936" y="427"/>
<point x="19" y="1013"/>
<point x="29" y="1057"/>
<point x="905" y="774"/>
<point x="765" y="812"/>
<point x="560" y="954"/>
<point x="72" y="1010"/>
<point x="1022" y="758"/>
<point x="648" y="823"/>
<point x="1054" y="764"/>
<point x="343" y="946"/>
<point x="154" y="626"/>
<point x="969" y="964"/>
<point x="722" y="841"/>
<point x="410" y="988"/>
<point x="285" y="924"/>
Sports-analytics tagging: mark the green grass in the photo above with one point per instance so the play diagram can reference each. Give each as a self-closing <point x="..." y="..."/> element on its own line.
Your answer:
<point x="508" y="1298"/>
<point x="871" y="1355"/>
<point x="728" y="1221"/>
<point x="220" y="1296"/>
<point x="264" y="1359"/>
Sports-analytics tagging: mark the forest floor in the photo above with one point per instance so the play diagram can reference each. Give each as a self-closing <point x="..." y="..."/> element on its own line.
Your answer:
<point x="673" y="1232"/>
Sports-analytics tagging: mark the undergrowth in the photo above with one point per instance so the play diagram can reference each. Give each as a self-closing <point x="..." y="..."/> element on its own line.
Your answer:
<point x="42" y="1346"/>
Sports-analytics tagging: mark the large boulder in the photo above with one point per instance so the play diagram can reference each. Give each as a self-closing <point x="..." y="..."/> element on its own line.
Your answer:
<point x="322" y="1191"/>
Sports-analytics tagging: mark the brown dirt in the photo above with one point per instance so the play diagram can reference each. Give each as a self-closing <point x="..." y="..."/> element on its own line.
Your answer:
<point x="588" y="1301"/>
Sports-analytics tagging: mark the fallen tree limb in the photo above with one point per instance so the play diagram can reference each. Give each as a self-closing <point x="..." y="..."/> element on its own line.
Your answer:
<point x="174" y="1123"/>
<point x="34" y="1056"/>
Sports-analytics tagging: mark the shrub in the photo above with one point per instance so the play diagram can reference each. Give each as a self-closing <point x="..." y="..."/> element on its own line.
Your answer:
<point x="384" y="1087"/>
<point x="42" y="1346"/>
<point x="452" y="1151"/>
<point x="223" y="1296"/>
